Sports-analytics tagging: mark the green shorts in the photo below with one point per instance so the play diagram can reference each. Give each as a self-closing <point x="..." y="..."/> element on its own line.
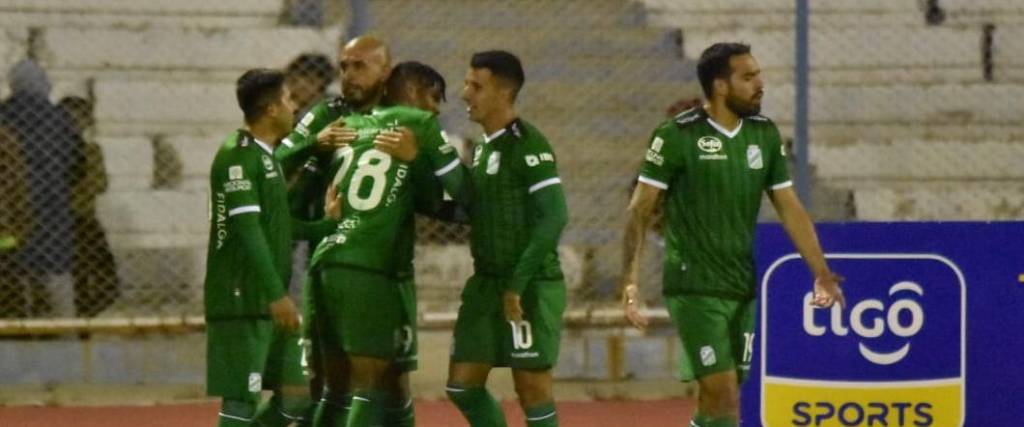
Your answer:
<point x="248" y="355"/>
<point x="482" y="335"/>
<point x="363" y="313"/>
<point x="717" y="334"/>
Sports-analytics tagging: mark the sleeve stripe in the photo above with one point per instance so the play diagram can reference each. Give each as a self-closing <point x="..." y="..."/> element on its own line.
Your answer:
<point x="653" y="182"/>
<point x="545" y="183"/>
<point x="782" y="185"/>
<point x="243" y="209"/>
<point x="450" y="167"/>
<point x="288" y="142"/>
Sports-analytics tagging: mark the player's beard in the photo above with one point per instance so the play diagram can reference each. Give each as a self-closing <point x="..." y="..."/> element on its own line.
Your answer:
<point x="359" y="97"/>
<point x="743" y="107"/>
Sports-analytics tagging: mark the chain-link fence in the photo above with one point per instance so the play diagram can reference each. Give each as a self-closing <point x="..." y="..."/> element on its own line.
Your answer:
<point x="110" y="128"/>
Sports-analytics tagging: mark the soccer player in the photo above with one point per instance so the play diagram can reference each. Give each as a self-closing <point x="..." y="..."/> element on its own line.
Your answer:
<point x="251" y="322"/>
<point x="511" y="312"/>
<point x="709" y="166"/>
<point x="365" y="298"/>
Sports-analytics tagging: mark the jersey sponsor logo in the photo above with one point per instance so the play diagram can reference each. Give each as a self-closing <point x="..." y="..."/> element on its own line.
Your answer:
<point x="493" y="163"/>
<point x="307" y="119"/>
<point x="220" y="212"/>
<point x="255" y="382"/>
<point x="445" y="148"/>
<point x="707" y="356"/>
<point x="657" y="144"/>
<point x="268" y="164"/>
<point x="896" y="352"/>
<point x="754" y="158"/>
<point x="534" y="159"/>
<point x="709" y="144"/>
<point x="235" y="172"/>
<point x="476" y="155"/>
<point x="655" y="158"/>
<point x="240" y="185"/>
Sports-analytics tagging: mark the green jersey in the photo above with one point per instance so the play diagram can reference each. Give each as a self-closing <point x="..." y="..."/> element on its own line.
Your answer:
<point x="248" y="262"/>
<point x="714" y="180"/>
<point x="303" y="165"/>
<point x="377" y="228"/>
<point x="510" y="170"/>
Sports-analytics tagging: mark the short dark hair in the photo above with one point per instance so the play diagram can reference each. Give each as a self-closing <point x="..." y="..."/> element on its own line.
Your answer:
<point x="418" y="73"/>
<point x="257" y="89"/>
<point x="76" y="104"/>
<point x="314" y="65"/>
<point x="503" y="65"/>
<point x="714" y="64"/>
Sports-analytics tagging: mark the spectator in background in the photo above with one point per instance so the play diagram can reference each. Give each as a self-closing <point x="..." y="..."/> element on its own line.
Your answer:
<point x="93" y="269"/>
<point x="48" y="144"/>
<point x="308" y="77"/>
<point x="15" y="224"/>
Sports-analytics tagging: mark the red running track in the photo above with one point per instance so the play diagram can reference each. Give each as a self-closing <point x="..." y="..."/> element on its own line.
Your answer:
<point x="656" y="413"/>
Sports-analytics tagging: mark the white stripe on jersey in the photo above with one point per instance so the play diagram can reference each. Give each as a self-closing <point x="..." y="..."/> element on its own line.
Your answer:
<point x="450" y="167"/>
<point x="243" y="209"/>
<point x="782" y="185"/>
<point x="653" y="182"/>
<point x="545" y="183"/>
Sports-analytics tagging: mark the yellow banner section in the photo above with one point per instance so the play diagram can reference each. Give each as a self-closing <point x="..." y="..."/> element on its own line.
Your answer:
<point x="862" y="404"/>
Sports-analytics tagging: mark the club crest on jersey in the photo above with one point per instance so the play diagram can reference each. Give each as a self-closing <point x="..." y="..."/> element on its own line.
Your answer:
<point x="255" y="382"/>
<point x="709" y="144"/>
<point x="754" y="158"/>
<point x="235" y="173"/>
<point x="493" y="162"/>
<point x="267" y="163"/>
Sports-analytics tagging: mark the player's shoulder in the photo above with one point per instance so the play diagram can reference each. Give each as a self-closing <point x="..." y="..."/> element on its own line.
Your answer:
<point x="687" y="119"/>
<point x="762" y="122"/>
<point x="526" y="133"/>
<point x="407" y="114"/>
<point x="239" y="145"/>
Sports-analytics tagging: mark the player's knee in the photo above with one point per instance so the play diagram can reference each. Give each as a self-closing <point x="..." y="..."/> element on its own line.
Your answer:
<point x="295" y="402"/>
<point x="719" y="398"/>
<point x="462" y="397"/>
<point x="238" y="410"/>
<point x="532" y="393"/>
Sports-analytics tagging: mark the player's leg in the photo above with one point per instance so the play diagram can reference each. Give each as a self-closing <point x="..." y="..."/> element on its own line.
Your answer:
<point x="312" y="358"/>
<point x="532" y="348"/>
<point x="325" y="293"/>
<point x="285" y="376"/>
<point x="398" y="407"/>
<point x="236" y="357"/>
<point x="474" y="351"/>
<point x="369" y="393"/>
<point x="704" y="326"/>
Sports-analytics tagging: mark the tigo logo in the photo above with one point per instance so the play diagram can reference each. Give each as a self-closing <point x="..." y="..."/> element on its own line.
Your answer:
<point x="895" y="356"/>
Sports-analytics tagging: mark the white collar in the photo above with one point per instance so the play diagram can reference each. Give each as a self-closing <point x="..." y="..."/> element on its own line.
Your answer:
<point x="725" y="132"/>
<point x="264" y="146"/>
<point x="493" y="136"/>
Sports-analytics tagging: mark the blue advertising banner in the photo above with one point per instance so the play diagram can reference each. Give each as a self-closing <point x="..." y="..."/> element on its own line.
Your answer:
<point x="932" y="333"/>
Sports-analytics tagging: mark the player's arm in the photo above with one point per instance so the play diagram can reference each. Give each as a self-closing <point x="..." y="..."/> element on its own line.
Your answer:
<point x="641" y="212"/>
<point x="316" y="230"/>
<point x="547" y="204"/>
<point x="442" y="160"/>
<point x="799" y="227"/>
<point x="662" y="162"/>
<point x="243" y="204"/>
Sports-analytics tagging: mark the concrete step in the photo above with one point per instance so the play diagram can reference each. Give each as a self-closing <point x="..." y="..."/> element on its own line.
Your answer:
<point x="129" y="13"/>
<point x="155" y="212"/>
<point x="518" y="15"/>
<point x="853" y="56"/>
<point x="949" y="200"/>
<point x="171" y="49"/>
<point x="919" y="160"/>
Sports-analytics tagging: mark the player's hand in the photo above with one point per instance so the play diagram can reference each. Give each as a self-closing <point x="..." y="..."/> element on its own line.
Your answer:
<point x="513" y="308"/>
<point x="332" y="203"/>
<point x="827" y="291"/>
<point x="400" y="143"/>
<point x="335" y="136"/>
<point x="631" y="306"/>
<point x="284" y="314"/>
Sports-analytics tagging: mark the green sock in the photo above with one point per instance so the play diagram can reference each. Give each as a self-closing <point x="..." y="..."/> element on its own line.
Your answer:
<point x="236" y="413"/>
<point x="401" y="414"/>
<point x="332" y="410"/>
<point x="367" y="408"/>
<point x="477" y="405"/>
<point x="701" y="420"/>
<point x="283" y="411"/>
<point x="543" y="415"/>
